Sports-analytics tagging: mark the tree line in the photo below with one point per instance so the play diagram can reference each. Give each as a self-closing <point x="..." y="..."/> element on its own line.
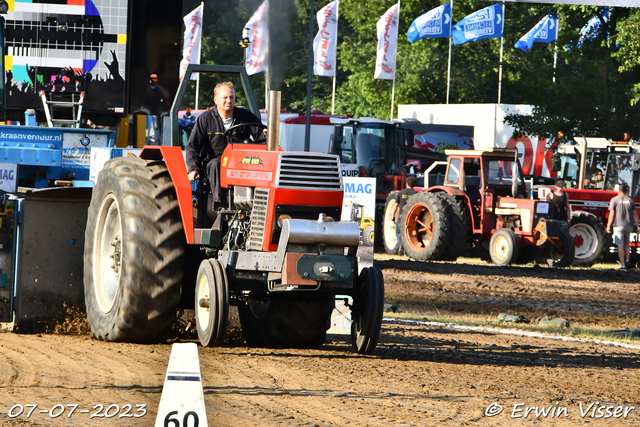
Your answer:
<point x="592" y="90"/>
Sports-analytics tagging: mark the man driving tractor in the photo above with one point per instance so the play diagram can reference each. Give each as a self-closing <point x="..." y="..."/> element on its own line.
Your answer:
<point x="207" y="141"/>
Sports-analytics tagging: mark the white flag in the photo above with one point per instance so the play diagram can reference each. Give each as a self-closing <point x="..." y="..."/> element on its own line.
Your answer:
<point x="326" y="41"/>
<point x="192" y="39"/>
<point x="387" y="28"/>
<point x="255" y="60"/>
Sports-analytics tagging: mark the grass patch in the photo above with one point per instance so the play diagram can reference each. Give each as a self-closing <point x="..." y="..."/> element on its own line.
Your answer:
<point x="581" y="331"/>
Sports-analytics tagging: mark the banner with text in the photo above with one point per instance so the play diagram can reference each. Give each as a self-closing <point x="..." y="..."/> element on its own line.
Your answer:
<point x="434" y="23"/>
<point x="359" y="205"/>
<point x="484" y="24"/>
<point x="326" y="41"/>
<point x="192" y="40"/>
<point x="387" y="28"/>
<point x="545" y="31"/>
<point x="256" y="53"/>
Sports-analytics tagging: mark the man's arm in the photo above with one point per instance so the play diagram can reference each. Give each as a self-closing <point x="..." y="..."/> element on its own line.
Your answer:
<point x="194" y="148"/>
<point x="396" y="211"/>
<point x="612" y="212"/>
<point x="568" y="207"/>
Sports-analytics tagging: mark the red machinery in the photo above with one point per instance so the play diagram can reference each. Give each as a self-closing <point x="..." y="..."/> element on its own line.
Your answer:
<point x="276" y="250"/>
<point x="481" y="200"/>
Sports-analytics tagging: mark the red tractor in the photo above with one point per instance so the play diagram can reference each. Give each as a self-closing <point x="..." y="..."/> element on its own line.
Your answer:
<point x="482" y="199"/>
<point x="591" y="182"/>
<point x="276" y="249"/>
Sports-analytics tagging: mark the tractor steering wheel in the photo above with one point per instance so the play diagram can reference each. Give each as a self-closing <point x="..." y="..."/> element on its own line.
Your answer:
<point x="232" y="138"/>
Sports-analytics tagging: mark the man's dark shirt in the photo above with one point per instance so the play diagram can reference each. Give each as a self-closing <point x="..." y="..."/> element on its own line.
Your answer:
<point x="402" y="197"/>
<point x="206" y="141"/>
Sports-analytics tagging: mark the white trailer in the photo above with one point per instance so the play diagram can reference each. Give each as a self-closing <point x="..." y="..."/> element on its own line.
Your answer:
<point x="490" y="130"/>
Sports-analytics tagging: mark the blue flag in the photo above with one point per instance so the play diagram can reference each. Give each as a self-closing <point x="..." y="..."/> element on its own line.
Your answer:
<point x="545" y="31"/>
<point x="590" y="30"/>
<point x="486" y="23"/>
<point x="434" y="23"/>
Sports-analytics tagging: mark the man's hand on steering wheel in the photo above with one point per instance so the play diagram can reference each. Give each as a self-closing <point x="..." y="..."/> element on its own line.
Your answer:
<point x="230" y="138"/>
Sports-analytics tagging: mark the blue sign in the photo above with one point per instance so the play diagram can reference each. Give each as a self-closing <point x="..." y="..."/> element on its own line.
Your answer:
<point x="545" y="31"/>
<point x="350" y="187"/>
<point x="486" y="23"/>
<point x="434" y="23"/>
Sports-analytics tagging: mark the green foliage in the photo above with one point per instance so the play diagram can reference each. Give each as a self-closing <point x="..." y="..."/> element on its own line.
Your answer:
<point x="594" y="93"/>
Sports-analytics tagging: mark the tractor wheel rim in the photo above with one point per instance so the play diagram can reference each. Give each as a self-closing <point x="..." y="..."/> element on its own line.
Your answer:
<point x="390" y="227"/>
<point x="501" y="248"/>
<point x="107" y="254"/>
<point x="203" y="313"/>
<point x="419" y="227"/>
<point x="588" y="238"/>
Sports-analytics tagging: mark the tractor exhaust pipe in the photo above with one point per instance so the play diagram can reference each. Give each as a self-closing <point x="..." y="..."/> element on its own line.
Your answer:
<point x="273" y="122"/>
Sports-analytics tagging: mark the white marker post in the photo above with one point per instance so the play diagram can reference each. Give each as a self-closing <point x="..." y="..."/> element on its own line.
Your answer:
<point x="182" y="401"/>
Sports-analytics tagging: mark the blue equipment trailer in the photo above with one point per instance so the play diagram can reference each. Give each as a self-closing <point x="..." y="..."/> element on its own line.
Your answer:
<point x="49" y="170"/>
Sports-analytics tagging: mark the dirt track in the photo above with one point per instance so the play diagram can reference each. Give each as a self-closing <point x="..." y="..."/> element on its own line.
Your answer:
<point x="421" y="373"/>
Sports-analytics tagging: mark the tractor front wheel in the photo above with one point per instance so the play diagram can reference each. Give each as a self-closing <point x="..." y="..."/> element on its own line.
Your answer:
<point x="133" y="254"/>
<point x="561" y="254"/>
<point x="425" y="227"/>
<point x="503" y="247"/>
<point x="212" y="303"/>
<point x="368" y="311"/>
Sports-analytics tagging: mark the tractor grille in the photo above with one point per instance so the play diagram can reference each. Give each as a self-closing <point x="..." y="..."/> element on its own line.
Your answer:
<point x="258" y="218"/>
<point x="309" y="171"/>
<point x="553" y="228"/>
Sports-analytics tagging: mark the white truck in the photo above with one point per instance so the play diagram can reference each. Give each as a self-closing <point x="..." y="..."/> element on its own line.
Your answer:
<point x="490" y="131"/>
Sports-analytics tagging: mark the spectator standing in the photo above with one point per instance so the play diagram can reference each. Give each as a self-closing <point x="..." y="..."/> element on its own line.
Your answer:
<point x="560" y="202"/>
<point x="624" y="218"/>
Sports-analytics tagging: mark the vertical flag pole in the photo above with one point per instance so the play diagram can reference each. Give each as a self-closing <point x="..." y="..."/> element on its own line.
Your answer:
<point x="199" y="52"/>
<point x="307" y="126"/>
<point x="555" y="59"/>
<point x="450" y="42"/>
<point x="393" y="88"/>
<point x="333" y="97"/>
<point x="393" y="93"/>
<point x="335" y="71"/>
<point x="501" y="51"/>
<point x="555" y="50"/>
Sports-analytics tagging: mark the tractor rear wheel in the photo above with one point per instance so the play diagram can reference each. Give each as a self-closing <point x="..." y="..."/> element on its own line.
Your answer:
<point x="588" y="235"/>
<point x="425" y="227"/>
<point x="503" y="247"/>
<point x="286" y="324"/>
<point x="389" y="236"/>
<point x="561" y="254"/>
<point x="459" y="230"/>
<point x="212" y="303"/>
<point x="133" y="254"/>
<point x="368" y="311"/>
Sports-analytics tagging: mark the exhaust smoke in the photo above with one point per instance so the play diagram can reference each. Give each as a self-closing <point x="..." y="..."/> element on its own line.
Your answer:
<point x="279" y="40"/>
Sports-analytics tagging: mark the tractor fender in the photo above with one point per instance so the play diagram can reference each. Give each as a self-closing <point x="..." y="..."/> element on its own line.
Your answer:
<point x="175" y="163"/>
